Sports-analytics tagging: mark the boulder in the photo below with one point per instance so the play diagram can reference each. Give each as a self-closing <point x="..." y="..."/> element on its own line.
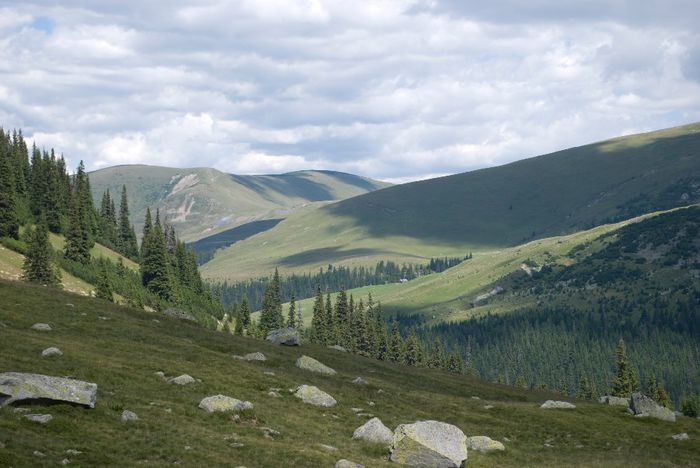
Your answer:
<point x="38" y="418"/>
<point x="313" y="396"/>
<point x="359" y="381"/>
<point x="614" y="401"/>
<point x="374" y="431"/>
<point x="179" y="314"/>
<point x="429" y="443"/>
<point x="681" y="436"/>
<point x="129" y="416"/>
<point x="16" y="386"/>
<point x="52" y="351"/>
<point x="284" y="336"/>
<point x="183" y="379"/>
<point x="251" y="357"/>
<point x="551" y="404"/>
<point x="222" y="403"/>
<point x="484" y="444"/>
<point x="643" y="406"/>
<point x="312" y="365"/>
<point x="41" y="327"/>
<point x="347" y="464"/>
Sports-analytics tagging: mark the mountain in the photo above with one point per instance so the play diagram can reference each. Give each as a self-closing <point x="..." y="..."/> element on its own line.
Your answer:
<point x="201" y="202"/>
<point x="488" y="209"/>
<point x="120" y="349"/>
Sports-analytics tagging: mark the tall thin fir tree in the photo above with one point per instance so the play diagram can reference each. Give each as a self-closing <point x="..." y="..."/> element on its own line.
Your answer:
<point x="318" y="319"/>
<point x="244" y="310"/>
<point x="155" y="264"/>
<point x="38" y="264"/>
<point x="292" y="313"/>
<point x="104" y="286"/>
<point x="623" y="385"/>
<point x="9" y="219"/>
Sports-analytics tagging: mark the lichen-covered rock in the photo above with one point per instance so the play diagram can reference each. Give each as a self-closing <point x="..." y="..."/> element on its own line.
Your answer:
<point x="258" y="356"/>
<point x="222" y="403"/>
<point x="643" y="406"/>
<point x="429" y="443"/>
<point x="484" y="444"/>
<point x="39" y="418"/>
<point x="41" y="327"/>
<point x="551" y="404"/>
<point x="374" y="431"/>
<point x="129" y="416"/>
<point x="614" y="401"/>
<point x="184" y="379"/>
<point x="52" y="351"/>
<point x="17" y="386"/>
<point x="359" y="381"/>
<point x="284" y="336"/>
<point x="313" y="396"/>
<point x="347" y="464"/>
<point x="312" y="365"/>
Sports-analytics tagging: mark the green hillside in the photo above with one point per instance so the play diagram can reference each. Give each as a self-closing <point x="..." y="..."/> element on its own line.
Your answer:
<point x="200" y="202"/>
<point x="120" y="349"/>
<point x="555" y="194"/>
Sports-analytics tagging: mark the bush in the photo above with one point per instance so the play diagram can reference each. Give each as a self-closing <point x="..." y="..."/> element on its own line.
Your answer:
<point x="691" y="406"/>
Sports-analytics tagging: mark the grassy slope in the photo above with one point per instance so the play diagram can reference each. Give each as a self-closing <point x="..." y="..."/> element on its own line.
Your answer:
<point x="549" y="195"/>
<point x="122" y="352"/>
<point x="201" y="201"/>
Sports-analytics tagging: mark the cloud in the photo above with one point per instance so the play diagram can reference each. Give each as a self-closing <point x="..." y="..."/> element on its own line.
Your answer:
<point x="393" y="89"/>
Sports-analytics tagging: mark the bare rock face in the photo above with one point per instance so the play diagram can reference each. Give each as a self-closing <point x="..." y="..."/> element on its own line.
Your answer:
<point x="313" y="396"/>
<point x="312" y="365"/>
<point x="222" y="403"/>
<point x="16" y="386"/>
<point x="643" y="406"/>
<point x="429" y="443"/>
<point x="284" y="336"/>
<point x="374" y="431"/>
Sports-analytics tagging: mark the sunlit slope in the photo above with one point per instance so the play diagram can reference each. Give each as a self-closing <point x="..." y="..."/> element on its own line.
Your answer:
<point x="554" y="194"/>
<point x="202" y="201"/>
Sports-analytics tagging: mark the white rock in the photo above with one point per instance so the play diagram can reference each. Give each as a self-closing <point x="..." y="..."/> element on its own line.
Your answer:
<point x="429" y="443"/>
<point x="374" y="431"/>
<point x="313" y="396"/>
<point x="312" y="365"/>
<point x="41" y="327"/>
<point x="551" y="404"/>
<point x="39" y="418"/>
<point x="52" y="351"/>
<point x="484" y="444"/>
<point x="221" y="403"/>
<point x="183" y="379"/>
<point x="681" y="436"/>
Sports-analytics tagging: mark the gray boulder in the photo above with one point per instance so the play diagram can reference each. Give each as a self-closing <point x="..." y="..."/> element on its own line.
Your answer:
<point x="643" y="406"/>
<point x="41" y="327"/>
<point x="183" y="379"/>
<point x="359" y="381"/>
<point x="251" y="357"/>
<point x="129" y="416"/>
<point x="374" y="431"/>
<point x="429" y="443"/>
<point x="347" y="464"/>
<point x="52" y="351"/>
<point x="313" y="396"/>
<point x="16" y="386"/>
<point x="222" y="403"/>
<point x="614" y="401"/>
<point x="39" y="418"/>
<point x="484" y="444"/>
<point x="551" y="404"/>
<point x="312" y="365"/>
<point x="284" y="336"/>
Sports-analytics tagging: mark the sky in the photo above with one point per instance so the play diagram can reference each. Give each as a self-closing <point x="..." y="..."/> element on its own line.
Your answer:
<point x="389" y="89"/>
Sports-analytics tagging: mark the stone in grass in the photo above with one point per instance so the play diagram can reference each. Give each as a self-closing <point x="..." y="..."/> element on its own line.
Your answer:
<point x="484" y="444"/>
<point x="52" y="351"/>
<point x="551" y="404"/>
<point x="374" y="431"/>
<point x="17" y="386"/>
<point x="338" y="348"/>
<point x="313" y="396"/>
<point x="681" y="436"/>
<point x="129" y="416"/>
<point x="429" y="443"/>
<point x="258" y="356"/>
<point x="41" y="327"/>
<point x="359" y="381"/>
<point x="330" y="448"/>
<point x="312" y="365"/>
<point x="183" y="379"/>
<point x="39" y="418"/>
<point x="222" y="403"/>
<point x="347" y="464"/>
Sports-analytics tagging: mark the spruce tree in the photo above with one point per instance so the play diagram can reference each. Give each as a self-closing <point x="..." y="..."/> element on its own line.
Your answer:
<point x="104" y="286"/>
<point x="520" y="382"/>
<point x="292" y="315"/>
<point x="318" y="319"/>
<point x="9" y="220"/>
<point x="79" y="238"/>
<point x="155" y="264"/>
<point x="244" y="311"/>
<point x="414" y="350"/>
<point x="38" y="263"/>
<point x="396" y="351"/>
<point x="238" y="328"/>
<point x="624" y="383"/>
<point x="300" y="320"/>
<point x="455" y="363"/>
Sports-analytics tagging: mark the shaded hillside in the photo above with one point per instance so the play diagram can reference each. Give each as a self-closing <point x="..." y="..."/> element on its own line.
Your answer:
<point x="201" y="202"/>
<point x="548" y="195"/>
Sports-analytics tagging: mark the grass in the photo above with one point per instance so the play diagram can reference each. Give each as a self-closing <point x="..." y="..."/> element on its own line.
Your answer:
<point x="120" y="349"/>
<point x="556" y="194"/>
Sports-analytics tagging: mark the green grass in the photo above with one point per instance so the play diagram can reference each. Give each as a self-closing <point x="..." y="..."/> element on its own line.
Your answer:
<point x="555" y="194"/>
<point x="201" y="202"/>
<point x="122" y="353"/>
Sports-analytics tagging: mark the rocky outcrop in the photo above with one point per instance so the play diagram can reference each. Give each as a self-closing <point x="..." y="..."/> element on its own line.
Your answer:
<point x="313" y="396"/>
<point x="551" y="404"/>
<point x="374" y="431"/>
<point x="312" y="365"/>
<point x="284" y="336"/>
<point x="643" y="406"/>
<point x="484" y="444"/>
<point x="614" y="401"/>
<point x="223" y="403"/>
<point x="17" y="387"/>
<point x="429" y="443"/>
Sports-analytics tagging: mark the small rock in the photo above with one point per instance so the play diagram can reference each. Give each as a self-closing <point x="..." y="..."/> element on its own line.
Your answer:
<point x="347" y="464"/>
<point x="129" y="416"/>
<point x="312" y="365"/>
<point x="484" y="444"/>
<point x="160" y="374"/>
<point x="551" y="404"/>
<point x="70" y="305"/>
<point x="269" y="373"/>
<point x="73" y="452"/>
<point x="359" y="381"/>
<point x="236" y="445"/>
<point x="39" y="418"/>
<point x="65" y="461"/>
<point x="269" y="432"/>
<point x="258" y="356"/>
<point x="155" y="321"/>
<point x="370" y="403"/>
<point x="39" y="454"/>
<point x="221" y="403"/>
<point x="274" y="394"/>
<point x="356" y="410"/>
<point x="330" y="448"/>
<point x="183" y="379"/>
<point x="364" y="415"/>
<point x="374" y="431"/>
<point x="476" y="398"/>
<point x="41" y="327"/>
<point x="313" y="396"/>
<point x="338" y="348"/>
<point x="488" y="406"/>
<point x="284" y="336"/>
<point x="179" y="314"/>
<point x="188" y="447"/>
<point x="681" y="436"/>
<point x="52" y="351"/>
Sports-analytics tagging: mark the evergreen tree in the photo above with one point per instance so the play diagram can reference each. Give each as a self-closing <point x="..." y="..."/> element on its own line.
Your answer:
<point x="38" y="263"/>
<point x="625" y="381"/>
<point x="585" y="389"/>
<point x="318" y="320"/>
<point x="9" y="221"/>
<point x="437" y="359"/>
<point x="271" y="316"/>
<point x="238" y="329"/>
<point x="79" y="238"/>
<point x="414" y="350"/>
<point x="104" y="286"/>
<point x="520" y="382"/>
<point x="300" y="320"/>
<point x="244" y="310"/>
<point x="292" y="315"/>
<point x="396" y="351"/>
<point x="657" y="392"/>
<point x="155" y="263"/>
